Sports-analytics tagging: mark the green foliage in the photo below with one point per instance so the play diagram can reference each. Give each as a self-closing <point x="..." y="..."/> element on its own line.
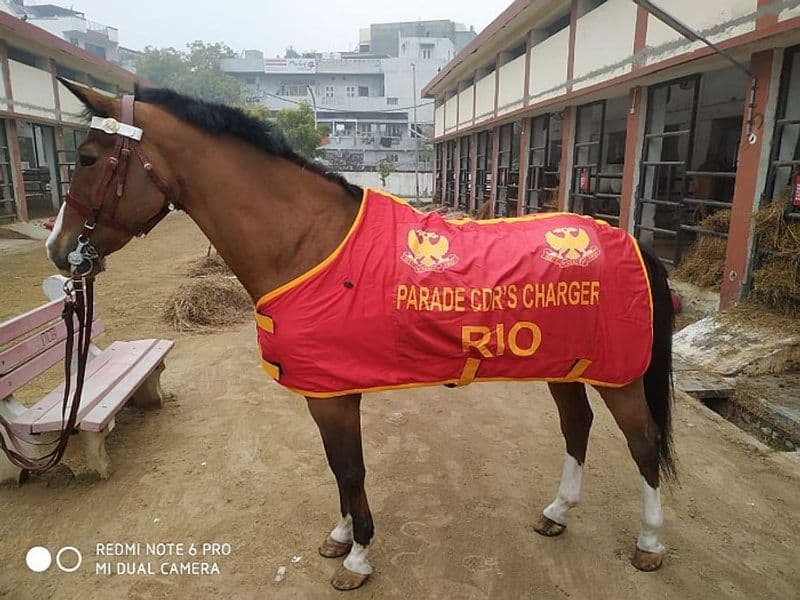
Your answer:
<point x="194" y="72"/>
<point x="298" y="127"/>
<point x="385" y="167"/>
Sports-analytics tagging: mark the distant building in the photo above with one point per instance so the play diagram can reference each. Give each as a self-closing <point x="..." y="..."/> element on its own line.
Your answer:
<point x="384" y="38"/>
<point x="70" y="25"/>
<point x="367" y="97"/>
<point x="40" y="120"/>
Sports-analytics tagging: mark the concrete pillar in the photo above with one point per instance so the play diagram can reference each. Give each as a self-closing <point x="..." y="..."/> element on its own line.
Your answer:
<point x="634" y="138"/>
<point x="750" y="176"/>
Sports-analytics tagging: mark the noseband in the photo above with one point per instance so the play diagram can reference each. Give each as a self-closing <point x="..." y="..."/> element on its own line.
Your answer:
<point x="102" y="208"/>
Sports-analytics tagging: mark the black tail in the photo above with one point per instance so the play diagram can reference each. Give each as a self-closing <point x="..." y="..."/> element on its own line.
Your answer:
<point x="658" y="388"/>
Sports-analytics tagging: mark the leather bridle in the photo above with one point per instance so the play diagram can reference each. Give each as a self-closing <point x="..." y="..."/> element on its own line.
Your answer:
<point x="79" y="289"/>
<point x="103" y="207"/>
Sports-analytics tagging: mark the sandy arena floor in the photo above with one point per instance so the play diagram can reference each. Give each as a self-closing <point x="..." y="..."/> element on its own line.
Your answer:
<point x="455" y="478"/>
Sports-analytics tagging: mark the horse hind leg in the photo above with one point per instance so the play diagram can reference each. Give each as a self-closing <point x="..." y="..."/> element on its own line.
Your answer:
<point x="339" y="422"/>
<point x="576" y="420"/>
<point x="631" y="412"/>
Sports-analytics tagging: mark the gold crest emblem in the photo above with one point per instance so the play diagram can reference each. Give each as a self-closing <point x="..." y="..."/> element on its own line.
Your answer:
<point x="569" y="246"/>
<point x="428" y="251"/>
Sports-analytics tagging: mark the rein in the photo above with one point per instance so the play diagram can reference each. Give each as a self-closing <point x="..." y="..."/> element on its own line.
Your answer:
<point x="79" y="289"/>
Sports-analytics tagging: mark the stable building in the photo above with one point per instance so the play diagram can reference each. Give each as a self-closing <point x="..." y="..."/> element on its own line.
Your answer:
<point x="601" y="108"/>
<point x="40" y="120"/>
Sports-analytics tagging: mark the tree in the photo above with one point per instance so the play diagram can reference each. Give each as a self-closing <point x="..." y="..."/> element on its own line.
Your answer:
<point x="298" y="127"/>
<point x="385" y="168"/>
<point x="195" y="72"/>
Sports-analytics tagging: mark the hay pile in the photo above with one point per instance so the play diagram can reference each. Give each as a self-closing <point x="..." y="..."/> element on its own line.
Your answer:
<point x="703" y="263"/>
<point x="776" y="280"/>
<point x="206" y="303"/>
<point x="212" y="298"/>
<point x="209" y="265"/>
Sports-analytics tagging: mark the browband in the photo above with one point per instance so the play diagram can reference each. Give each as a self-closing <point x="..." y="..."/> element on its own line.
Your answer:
<point x="114" y="127"/>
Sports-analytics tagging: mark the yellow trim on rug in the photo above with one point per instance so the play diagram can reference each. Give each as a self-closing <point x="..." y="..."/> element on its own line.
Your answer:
<point x="265" y="323"/>
<point x="578" y="369"/>
<point x="271" y="369"/>
<point x="469" y="371"/>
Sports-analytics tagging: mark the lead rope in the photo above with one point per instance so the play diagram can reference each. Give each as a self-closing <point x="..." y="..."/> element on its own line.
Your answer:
<point x="78" y="303"/>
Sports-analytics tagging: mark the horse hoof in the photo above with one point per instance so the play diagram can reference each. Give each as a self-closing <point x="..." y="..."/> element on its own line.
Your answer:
<point x="646" y="561"/>
<point x="548" y="527"/>
<point x="345" y="579"/>
<point x="331" y="548"/>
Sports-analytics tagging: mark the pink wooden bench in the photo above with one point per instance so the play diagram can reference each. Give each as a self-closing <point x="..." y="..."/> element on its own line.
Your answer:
<point x="33" y="342"/>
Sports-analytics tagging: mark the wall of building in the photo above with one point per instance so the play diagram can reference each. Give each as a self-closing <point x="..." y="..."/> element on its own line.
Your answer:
<point x="399" y="184"/>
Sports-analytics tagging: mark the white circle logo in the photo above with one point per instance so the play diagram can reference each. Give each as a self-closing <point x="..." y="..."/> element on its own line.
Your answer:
<point x="38" y="559"/>
<point x="78" y="559"/>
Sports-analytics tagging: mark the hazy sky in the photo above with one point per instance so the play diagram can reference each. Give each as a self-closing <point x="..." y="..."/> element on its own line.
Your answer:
<point x="270" y="25"/>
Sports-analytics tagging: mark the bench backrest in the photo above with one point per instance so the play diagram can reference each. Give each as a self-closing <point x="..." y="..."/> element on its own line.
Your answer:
<point x="32" y="343"/>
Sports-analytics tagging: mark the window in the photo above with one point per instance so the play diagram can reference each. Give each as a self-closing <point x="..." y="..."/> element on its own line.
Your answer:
<point x="292" y="90"/>
<point x="351" y="91"/>
<point x="250" y="80"/>
<point x="391" y="101"/>
<point x="508" y="170"/>
<point x="692" y="128"/>
<point x="426" y="50"/>
<point x="363" y="91"/>
<point x="544" y="159"/>
<point x="394" y="129"/>
<point x="329" y="91"/>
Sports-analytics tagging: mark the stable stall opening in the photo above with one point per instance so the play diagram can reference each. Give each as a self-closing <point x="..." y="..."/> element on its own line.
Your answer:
<point x="688" y="171"/>
<point x="507" y="198"/>
<point x="8" y="208"/>
<point x="544" y="161"/>
<point x="599" y="158"/>
<point x="437" y="184"/>
<point x="40" y="176"/>
<point x="68" y="157"/>
<point x="776" y="266"/>
<point x="450" y="177"/>
<point x="464" y="173"/>
<point x="483" y="171"/>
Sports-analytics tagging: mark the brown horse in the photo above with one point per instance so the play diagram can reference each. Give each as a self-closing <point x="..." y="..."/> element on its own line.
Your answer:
<point x="273" y="216"/>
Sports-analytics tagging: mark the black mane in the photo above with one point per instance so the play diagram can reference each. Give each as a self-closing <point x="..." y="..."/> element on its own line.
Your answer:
<point x="219" y="119"/>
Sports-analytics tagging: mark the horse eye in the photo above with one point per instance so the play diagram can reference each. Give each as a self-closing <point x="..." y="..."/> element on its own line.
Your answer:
<point x="86" y="160"/>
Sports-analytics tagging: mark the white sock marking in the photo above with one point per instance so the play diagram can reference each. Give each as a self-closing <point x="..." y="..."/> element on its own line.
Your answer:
<point x="51" y="239"/>
<point x="357" y="561"/>
<point x="652" y="520"/>
<point x="569" y="491"/>
<point x="343" y="532"/>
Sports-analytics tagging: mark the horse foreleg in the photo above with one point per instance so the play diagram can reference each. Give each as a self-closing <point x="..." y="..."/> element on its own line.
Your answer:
<point x="576" y="420"/>
<point x="631" y="412"/>
<point x="339" y="422"/>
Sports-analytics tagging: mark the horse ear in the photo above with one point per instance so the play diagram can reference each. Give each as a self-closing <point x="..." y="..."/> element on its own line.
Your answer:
<point x="96" y="103"/>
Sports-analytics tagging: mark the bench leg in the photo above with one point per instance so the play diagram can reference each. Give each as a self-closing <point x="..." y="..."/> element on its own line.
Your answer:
<point x="9" y="409"/>
<point x="149" y="395"/>
<point x="94" y="450"/>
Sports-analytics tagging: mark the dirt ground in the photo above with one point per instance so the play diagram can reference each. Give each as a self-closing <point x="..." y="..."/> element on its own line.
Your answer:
<point x="456" y="479"/>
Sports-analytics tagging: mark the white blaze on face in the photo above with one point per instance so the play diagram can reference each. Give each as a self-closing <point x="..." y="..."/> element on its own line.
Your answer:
<point x="569" y="491"/>
<point x="357" y="561"/>
<point x="51" y="239"/>
<point x="652" y="520"/>
<point x="343" y="532"/>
